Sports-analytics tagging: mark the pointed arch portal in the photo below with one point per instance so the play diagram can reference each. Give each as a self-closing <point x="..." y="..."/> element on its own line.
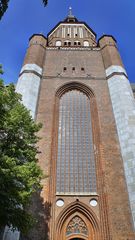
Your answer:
<point x="77" y="221"/>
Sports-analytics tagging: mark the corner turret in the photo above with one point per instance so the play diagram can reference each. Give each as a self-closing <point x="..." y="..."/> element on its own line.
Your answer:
<point x="31" y="73"/>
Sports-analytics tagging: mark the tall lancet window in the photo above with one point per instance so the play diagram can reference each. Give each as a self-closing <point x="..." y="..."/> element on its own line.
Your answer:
<point x="75" y="161"/>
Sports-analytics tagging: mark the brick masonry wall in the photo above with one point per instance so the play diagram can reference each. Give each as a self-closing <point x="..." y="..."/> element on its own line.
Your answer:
<point x="57" y="59"/>
<point x="94" y="77"/>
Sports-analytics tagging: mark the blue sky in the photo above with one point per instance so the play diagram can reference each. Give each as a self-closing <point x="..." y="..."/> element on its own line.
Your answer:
<point x="25" y="17"/>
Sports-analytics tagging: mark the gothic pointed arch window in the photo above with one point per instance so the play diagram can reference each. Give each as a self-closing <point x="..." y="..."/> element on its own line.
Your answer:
<point x="76" y="171"/>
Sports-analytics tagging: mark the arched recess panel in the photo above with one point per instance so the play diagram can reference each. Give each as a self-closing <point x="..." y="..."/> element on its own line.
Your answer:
<point x="61" y="190"/>
<point x="77" y="221"/>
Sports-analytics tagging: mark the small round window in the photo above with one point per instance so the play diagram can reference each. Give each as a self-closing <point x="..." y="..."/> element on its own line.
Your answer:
<point x="93" y="202"/>
<point x="60" y="202"/>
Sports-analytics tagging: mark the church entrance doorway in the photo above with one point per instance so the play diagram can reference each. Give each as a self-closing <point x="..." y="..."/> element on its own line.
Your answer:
<point x="76" y="239"/>
<point x="79" y="224"/>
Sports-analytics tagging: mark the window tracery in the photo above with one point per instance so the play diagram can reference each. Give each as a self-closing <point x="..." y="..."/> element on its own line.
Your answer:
<point x="76" y="226"/>
<point x="75" y="158"/>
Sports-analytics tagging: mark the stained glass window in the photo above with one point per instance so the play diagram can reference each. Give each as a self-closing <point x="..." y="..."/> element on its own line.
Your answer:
<point x="75" y="161"/>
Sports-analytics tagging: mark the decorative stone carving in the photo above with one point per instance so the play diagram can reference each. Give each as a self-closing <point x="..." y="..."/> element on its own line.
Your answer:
<point x="76" y="226"/>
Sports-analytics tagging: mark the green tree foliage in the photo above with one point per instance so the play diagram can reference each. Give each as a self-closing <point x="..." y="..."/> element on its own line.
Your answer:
<point x="4" y="6"/>
<point x="45" y="2"/>
<point x="20" y="174"/>
<point x="1" y="71"/>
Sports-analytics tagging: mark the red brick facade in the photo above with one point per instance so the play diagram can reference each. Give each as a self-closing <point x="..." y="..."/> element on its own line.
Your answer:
<point x="83" y="68"/>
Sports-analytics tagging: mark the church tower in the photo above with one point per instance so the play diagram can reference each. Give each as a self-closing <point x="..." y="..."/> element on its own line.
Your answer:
<point x="77" y="87"/>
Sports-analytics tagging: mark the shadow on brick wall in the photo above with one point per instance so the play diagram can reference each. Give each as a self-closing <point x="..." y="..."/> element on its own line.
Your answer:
<point x="41" y="212"/>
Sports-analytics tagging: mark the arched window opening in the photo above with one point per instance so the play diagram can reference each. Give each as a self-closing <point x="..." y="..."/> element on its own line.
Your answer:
<point x="76" y="226"/>
<point x="58" y="43"/>
<point x="67" y="43"/>
<point x="75" y="161"/>
<point x="77" y="43"/>
<point x="86" y="44"/>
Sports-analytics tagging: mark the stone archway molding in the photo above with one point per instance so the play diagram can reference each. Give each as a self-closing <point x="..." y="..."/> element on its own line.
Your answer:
<point x="75" y="85"/>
